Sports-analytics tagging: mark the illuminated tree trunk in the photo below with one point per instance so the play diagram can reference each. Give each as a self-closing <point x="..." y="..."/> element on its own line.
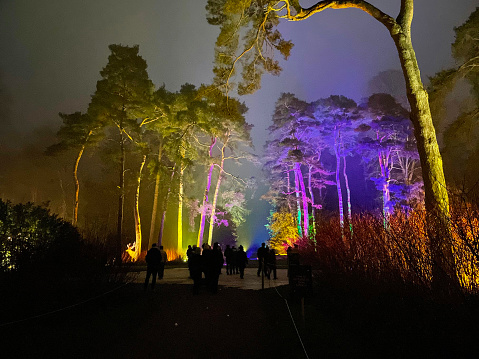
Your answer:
<point x="298" y="202"/>
<point x="288" y="191"/>
<point x="384" y="158"/>
<point x="137" y="211"/>
<point x="165" y="207"/>
<point x="121" y="198"/>
<point x="154" y="213"/>
<point x="180" y="207"/>
<point x="313" y="209"/>
<point x="205" y="197"/>
<point x="77" y="186"/>
<point x="348" y="195"/>
<point x="436" y="196"/>
<point x="215" y="197"/>
<point x="338" y="181"/>
<point x="304" y="198"/>
<point x="77" y="182"/>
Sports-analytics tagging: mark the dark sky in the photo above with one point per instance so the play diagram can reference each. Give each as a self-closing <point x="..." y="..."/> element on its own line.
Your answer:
<point x="52" y="52"/>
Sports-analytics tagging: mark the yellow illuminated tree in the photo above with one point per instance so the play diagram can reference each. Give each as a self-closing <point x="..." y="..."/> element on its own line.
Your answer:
<point x="283" y="231"/>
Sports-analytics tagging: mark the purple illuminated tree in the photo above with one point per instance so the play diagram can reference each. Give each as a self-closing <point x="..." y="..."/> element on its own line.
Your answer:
<point x="294" y="149"/>
<point x="337" y="117"/>
<point x="249" y="39"/>
<point x="387" y="137"/>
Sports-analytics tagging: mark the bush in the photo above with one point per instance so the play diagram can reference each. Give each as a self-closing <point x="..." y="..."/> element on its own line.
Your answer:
<point x="32" y="240"/>
<point x="396" y="250"/>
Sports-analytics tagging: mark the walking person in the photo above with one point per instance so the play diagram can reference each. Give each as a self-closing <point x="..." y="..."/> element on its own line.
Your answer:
<point x="272" y="263"/>
<point x="196" y="268"/>
<point x="215" y="267"/>
<point x="235" y="264"/>
<point x="260" y="255"/>
<point x="241" y="261"/>
<point x="229" y="259"/>
<point x="153" y="262"/>
<point x="164" y="259"/>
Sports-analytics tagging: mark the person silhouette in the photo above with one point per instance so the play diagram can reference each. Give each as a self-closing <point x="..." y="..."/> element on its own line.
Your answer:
<point x="153" y="262"/>
<point x="242" y="260"/>
<point x="261" y="253"/>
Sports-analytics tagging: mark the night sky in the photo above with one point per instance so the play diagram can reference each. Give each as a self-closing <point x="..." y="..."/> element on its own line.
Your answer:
<point x="53" y="50"/>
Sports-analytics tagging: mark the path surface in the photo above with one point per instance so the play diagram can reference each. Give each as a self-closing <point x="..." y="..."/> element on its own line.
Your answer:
<point x="240" y="321"/>
<point x="250" y="281"/>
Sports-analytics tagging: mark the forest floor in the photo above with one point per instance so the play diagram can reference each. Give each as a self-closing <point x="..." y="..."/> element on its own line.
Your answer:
<point x="341" y="320"/>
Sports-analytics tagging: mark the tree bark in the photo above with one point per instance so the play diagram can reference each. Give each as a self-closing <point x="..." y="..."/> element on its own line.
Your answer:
<point x="121" y="198"/>
<point x="77" y="186"/>
<point x="338" y="181"/>
<point x="137" y="211"/>
<point x="154" y="213"/>
<point x="205" y="196"/>
<point x="215" y="196"/>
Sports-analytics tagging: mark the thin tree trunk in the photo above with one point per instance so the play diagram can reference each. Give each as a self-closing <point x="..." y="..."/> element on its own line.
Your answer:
<point x="76" y="181"/>
<point x="205" y="197"/>
<point x="288" y="191"/>
<point x="338" y="182"/>
<point x="348" y="196"/>
<point x="313" y="209"/>
<point x="77" y="186"/>
<point x="180" y="211"/>
<point x="121" y="198"/>
<point x="165" y="207"/>
<point x="304" y="200"/>
<point x="215" y="197"/>
<point x="298" y="202"/>
<point x="136" y="212"/>
<point x="154" y="213"/>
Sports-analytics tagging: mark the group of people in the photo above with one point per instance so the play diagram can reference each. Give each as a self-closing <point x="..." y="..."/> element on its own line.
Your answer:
<point x="209" y="261"/>
<point x="266" y="261"/>
<point x="236" y="260"/>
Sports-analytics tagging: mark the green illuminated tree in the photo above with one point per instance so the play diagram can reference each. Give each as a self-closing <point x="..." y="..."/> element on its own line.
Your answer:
<point x="249" y="38"/>
<point x="120" y="99"/>
<point x="77" y="132"/>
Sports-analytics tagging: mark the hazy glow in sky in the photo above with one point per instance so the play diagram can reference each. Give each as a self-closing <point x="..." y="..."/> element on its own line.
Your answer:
<point x="53" y="50"/>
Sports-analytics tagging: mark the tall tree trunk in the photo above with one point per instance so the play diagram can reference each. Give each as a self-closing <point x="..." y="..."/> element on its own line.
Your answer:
<point x="288" y="191"/>
<point x="298" y="202"/>
<point x="436" y="196"/>
<point x="338" y="181"/>
<point x="121" y="198"/>
<point x="313" y="209"/>
<point x="205" y="196"/>
<point x="348" y="196"/>
<point x="215" y="196"/>
<point x="154" y="213"/>
<point x="165" y="207"/>
<point x="304" y="199"/>
<point x="136" y="211"/>
<point x="76" y="181"/>
<point x="77" y="186"/>
<point x="180" y="209"/>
